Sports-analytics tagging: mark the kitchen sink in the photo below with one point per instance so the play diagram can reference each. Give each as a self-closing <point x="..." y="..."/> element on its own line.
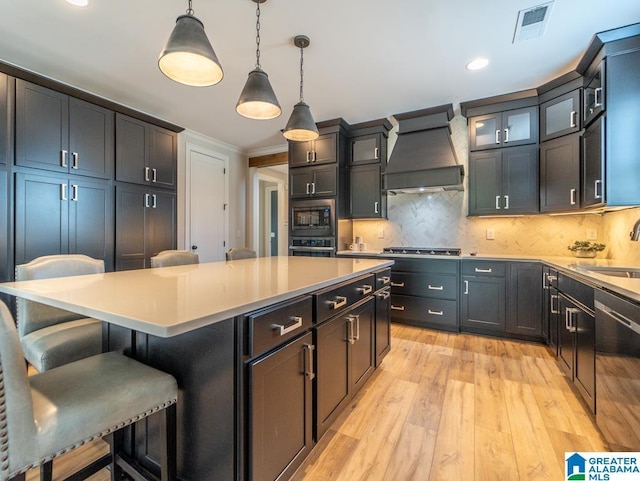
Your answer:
<point x="628" y="272"/>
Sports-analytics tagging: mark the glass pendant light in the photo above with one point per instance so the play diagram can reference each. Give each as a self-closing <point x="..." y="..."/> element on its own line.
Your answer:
<point x="188" y="57"/>
<point x="301" y="125"/>
<point x="258" y="100"/>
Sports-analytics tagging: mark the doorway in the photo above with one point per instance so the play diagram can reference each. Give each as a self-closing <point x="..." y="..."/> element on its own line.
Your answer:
<point x="270" y="203"/>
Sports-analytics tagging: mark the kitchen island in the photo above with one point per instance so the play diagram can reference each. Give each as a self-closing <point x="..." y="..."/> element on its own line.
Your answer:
<point x="199" y="323"/>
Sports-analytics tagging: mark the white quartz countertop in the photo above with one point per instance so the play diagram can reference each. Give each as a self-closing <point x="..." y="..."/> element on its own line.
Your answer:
<point x="173" y="300"/>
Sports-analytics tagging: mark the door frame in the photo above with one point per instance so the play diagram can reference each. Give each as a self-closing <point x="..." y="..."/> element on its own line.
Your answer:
<point x="283" y="233"/>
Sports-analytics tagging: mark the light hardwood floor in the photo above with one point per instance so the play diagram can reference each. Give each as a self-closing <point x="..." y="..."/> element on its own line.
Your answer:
<point x="448" y="407"/>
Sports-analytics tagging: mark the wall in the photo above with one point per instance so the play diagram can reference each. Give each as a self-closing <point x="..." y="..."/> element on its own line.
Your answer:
<point x="440" y="220"/>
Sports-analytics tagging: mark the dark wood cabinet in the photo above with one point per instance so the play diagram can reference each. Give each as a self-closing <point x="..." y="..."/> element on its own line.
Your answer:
<point x="145" y="153"/>
<point x="524" y="299"/>
<point x="6" y="118"/>
<point x="560" y="116"/>
<point x="594" y="98"/>
<point x="504" y="129"/>
<point x="483" y="296"/>
<point x="504" y="181"/>
<point x="383" y="324"/>
<point x="365" y="188"/>
<point x="593" y="153"/>
<point x="319" y="181"/>
<point x="560" y="174"/>
<point x="368" y="149"/>
<point x="323" y="150"/>
<point x="145" y="224"/>
<point x="59" y="215"/>
<point x="63" y="134"/>
<point x="5" y="269"/>
<point x="550" y="309"/>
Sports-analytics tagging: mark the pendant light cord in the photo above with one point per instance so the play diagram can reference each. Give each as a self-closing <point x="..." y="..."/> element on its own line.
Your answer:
<point x="301" y="73"/>
<point x="258" y="34"/>
<point x="190" y="10"/>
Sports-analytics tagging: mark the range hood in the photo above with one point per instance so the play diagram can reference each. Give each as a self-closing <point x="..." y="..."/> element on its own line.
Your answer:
<point x="423" y="159"/>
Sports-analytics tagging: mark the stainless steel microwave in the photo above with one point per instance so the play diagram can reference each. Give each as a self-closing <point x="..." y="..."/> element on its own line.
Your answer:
<point x="312" y="218"/>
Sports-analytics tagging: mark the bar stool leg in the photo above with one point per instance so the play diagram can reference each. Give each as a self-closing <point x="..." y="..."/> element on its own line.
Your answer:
<point x="168" y="453"/>
<point x="115" y="446"/>
<point x="46" y="471"/>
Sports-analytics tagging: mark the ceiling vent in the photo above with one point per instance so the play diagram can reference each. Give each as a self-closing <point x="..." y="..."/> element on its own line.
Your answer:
<point x="532" y="22"/>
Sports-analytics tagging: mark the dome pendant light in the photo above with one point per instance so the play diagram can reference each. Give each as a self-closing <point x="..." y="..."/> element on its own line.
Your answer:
<point x="188" y="57"/>
<point x="258" y="100"/>
<point x="301" y="126"/>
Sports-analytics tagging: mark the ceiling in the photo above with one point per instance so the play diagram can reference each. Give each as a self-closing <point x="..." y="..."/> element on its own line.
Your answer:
<point x="367" y="59"/>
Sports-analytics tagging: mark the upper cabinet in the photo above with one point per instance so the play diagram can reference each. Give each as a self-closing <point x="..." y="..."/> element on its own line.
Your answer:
<point x="145" y="153"/>
<point x="323" y="150"/>
<point x="560" y="116"/>
<point x="60" y="133"/>
<point x="560" y="174"/>
<point x="6" y="124"/>
<point x="503" y="129"/>
<point x="594" y="92"/>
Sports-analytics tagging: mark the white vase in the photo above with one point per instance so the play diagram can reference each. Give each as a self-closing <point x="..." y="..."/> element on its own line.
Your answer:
<point x="585" y="253"/>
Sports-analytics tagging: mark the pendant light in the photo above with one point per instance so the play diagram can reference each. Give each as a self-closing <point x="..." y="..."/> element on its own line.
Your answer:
<point x="257" y="100"/>
<point x="301" y="126"/>
<point x="188" y="57"/>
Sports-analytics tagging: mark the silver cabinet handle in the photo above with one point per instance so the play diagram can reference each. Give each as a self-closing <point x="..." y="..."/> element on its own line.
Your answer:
<point x="573" y="118"/>
<point x="74" y="160"/>
<point x="146" y="174"/>
<point x="313" y="187"/>
<point x="597" y="187"/>
<point x="569" y="321"/>
<point x="74" y="195"/>
<point x="357" y="335"/>
<point x="286" y="329"/>
<point x="364" y="290"/>
<point x="339" y="302"/>
<point x="350" y="336"/>
<point x="466" y="287"/>
<point x="498" y="136"/>
<point x="309" y="372"/>
<point x="384" y="280"/>
<point x="397" y="308"/>
<point x="375" y="207"/>
<point x="554" y="297"/>
<point x="597" y="101"/>
<point x="154" y="175"/>
<point x="63" y="158"/>
<point x="435" y="288"/>
<point x="435" y="313"/>
<point x="552" y="278"/>
<point x="376" y="152"/>
<point x="506" y="135"/>
<point x="384" y="295"/>
<point x="308" y="187"/>
<point x="154" y="204"/>
<point x="497" y="202"/>
<point x="544" y="281"/>
<point x="146" y="200"/>
<point x="506" y="201"/>
<point x="63" y="191"/>
<point x="485" y="271"/>
<point x="397" y="284"/>
<point x="572" y="195"/>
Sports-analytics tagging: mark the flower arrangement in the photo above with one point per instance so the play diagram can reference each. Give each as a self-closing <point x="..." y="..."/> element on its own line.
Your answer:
<point x="586" y="248"/>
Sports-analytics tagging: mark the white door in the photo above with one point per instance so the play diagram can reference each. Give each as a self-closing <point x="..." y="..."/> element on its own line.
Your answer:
<point x="206" y="193"/>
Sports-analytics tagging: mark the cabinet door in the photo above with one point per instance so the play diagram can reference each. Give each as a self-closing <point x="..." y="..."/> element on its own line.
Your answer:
<point x="566" y="337"/>
<point x="163" y="151"/>
<point x="5" y="115"/>
<point x="280" y="411"/>
<point x="42" y="127"/>
<point x="42" y="216"/>
<point x="132" y="149"/>
<point x="325" y="181"/>
<point x="554" y="320"/>
<point x="325" y="149"/>
<point x="485" y="183"/>
<point x="366" y="149"/>
<point x="362" y="362"/>
<point x="365" y="192"/>
<point x="525" y="298"/>
<point x="300" y="153"/>
<point x="485" y="132"/>
<point x="585" y="328"/>
<point x="519" y="127"/>
<point x="91" y="139"/>
<point x="483" y="303"/>
<point x="332" y="388"/>
<point x="91" y="220"/>
<point x="560" y="116"/>
<point x="160" y="224"/>
<point x="560" y="174"/>
<point x="593" y="164"/>
<point x="383" y="325"/>
<point x="520" y="180"/>
<point x="594" y="94"/>
<point x="130" y="226"/>
<point x="300" y="182"/>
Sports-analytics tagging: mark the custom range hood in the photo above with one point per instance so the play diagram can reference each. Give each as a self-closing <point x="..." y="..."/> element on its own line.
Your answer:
<point x="423" y="159"/>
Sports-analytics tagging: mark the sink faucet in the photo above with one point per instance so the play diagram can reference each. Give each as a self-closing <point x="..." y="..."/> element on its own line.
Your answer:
<point x="635" y="233"/>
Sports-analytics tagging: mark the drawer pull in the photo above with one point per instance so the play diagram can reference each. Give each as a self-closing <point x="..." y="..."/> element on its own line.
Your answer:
<point x="435" y="313"/>
<point x="397" y="284"/>
<point x="364" y="290"/>
<point x="338" y="303"/>
<point x="486" y="271"/>
<point x="286" y="329"/>
<point x="384" y="279"/>
<point x="384" y="295"/>
<point x="397" y="308"/>
<point x="351" y="339"/>
<point x="556" y="298"/>
<point x="310" y="371"/>
<point x="435" y="288"/>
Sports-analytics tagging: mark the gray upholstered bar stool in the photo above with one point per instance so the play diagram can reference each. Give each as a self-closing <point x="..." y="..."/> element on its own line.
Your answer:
<point x="237" y="253"/>
<point x="54" y="412"/>
<point x="174" y="258"/>
<point x="49" y="336"/>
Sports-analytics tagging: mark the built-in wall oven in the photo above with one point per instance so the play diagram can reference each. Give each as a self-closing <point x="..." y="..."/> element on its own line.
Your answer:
<point x="312" y="228"/>
<point x="618" y="370"/>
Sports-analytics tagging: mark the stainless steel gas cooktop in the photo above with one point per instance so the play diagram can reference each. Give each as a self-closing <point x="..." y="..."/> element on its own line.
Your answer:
<point x="427" y="251"/>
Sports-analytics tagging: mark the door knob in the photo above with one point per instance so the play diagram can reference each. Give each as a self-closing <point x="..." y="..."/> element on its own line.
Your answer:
<point x="194" y="248"/>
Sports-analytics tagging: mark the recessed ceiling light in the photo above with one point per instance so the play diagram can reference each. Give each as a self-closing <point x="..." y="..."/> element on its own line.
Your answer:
<point x="477" y="63"/>
<point x="79" y="3"/>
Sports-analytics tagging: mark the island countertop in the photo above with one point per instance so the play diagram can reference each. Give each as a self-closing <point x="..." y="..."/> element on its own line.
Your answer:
<point x="169" y="301"/>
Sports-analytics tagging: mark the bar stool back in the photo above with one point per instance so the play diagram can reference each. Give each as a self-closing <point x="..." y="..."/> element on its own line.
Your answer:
<point x="174" y="258"/>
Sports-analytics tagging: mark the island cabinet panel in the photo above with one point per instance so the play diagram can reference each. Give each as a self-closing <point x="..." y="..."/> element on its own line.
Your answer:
<point x="524" y="299"/>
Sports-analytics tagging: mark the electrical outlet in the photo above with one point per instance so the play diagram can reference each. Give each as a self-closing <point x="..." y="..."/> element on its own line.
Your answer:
<point x="491" y="234"/>
<point x="592" y="234"/>
<point x="381" y="233"/>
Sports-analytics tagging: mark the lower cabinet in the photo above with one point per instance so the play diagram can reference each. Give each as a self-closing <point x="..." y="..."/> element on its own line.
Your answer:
<point x="383" y="324"/>
<point x="345" y="360"/>
<point x="524" y="299"/>
<point x="483" y="295"/>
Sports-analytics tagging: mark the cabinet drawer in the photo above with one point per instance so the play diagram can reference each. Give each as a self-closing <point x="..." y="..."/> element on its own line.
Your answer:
<point x="438" y="312"/>
<point x="275" y="325"/>
<point x="484" y="268"/>
<point x="336" y="299"/>
<point x="383" y="278"/>
<point x="441" y="266"/>
<point x="437" y="286"/>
